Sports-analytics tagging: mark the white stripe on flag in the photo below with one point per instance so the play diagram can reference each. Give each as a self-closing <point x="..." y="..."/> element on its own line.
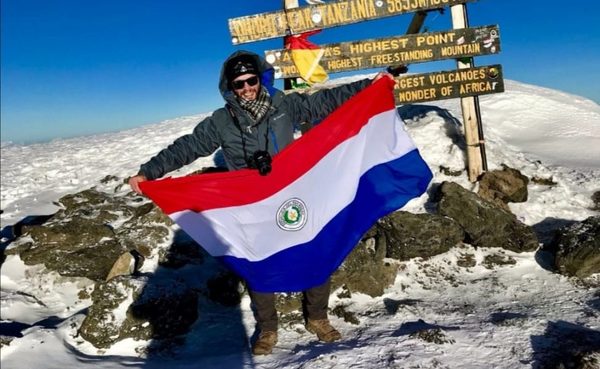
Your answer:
<point x="251" y="231"/>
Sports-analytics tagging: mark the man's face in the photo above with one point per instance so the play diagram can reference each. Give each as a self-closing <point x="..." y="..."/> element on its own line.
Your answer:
<point x="246" y="86"/>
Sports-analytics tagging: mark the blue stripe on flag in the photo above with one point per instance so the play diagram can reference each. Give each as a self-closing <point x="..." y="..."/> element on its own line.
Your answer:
<point x="381" y="190"/>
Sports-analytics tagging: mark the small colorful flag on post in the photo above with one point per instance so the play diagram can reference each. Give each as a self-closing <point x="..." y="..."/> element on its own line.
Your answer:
<point x="306" y="56"/>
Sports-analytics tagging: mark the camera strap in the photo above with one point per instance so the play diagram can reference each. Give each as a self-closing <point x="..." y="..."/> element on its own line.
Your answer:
<point x="239" y="127"/>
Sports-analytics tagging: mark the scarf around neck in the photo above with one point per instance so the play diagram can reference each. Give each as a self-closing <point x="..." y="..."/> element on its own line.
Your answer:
<point x="257" y="108"/>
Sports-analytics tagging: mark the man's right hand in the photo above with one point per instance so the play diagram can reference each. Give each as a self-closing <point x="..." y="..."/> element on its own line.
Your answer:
<point x="135" y="181"/>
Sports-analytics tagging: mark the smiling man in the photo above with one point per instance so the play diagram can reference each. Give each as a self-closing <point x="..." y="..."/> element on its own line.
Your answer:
<point x="256" y="123"/>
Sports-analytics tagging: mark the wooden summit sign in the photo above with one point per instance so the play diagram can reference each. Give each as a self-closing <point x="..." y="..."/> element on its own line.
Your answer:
<point x="383" y="52"/>
<point x="335" y="13"/>
<point x="449" y="84"/>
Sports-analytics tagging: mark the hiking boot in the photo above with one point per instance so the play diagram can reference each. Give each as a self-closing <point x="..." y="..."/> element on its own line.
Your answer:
<point x="323" y="329"/>
<point x="265" y="343"/>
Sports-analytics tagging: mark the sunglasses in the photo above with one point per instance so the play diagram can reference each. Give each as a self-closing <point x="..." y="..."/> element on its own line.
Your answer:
<point x="239" y="84"/>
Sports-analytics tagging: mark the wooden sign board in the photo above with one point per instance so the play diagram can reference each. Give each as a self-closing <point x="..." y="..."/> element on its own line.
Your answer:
<point x="449" y="84"/>
<point x="331" y="14"/>
<point x="406" y="49"/>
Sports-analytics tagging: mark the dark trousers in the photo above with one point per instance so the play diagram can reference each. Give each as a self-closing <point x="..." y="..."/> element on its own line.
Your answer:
<point x="314" y="304"/>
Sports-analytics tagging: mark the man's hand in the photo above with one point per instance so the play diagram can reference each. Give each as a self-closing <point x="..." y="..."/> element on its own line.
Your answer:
<point x="135" y="181"/>
<point x="383" y="74"/>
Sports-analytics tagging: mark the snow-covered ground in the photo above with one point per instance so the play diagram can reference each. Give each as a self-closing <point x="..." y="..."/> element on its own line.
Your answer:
<point x="506" y="316"/>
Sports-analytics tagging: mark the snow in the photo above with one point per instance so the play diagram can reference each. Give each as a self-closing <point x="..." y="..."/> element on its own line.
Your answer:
<point x="501" y="316"/>
<point x="32" y="294"/>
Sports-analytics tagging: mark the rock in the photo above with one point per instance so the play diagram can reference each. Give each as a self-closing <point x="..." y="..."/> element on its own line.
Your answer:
<point x="466" y="260"/>
<point x="503" y="186"/>
<point x="91" y="232"/>
<point x="125" y="265"/>
<point x="588" y="360"/>
<point x="141" y="308"/>
<point x="432" y="335"/>
<point x="107" y="320"/>
<point x="544" y="181"/>
<point x="577" y="248"/>
<point x="348" y="316"/>
<point x="109" y="178"/>
<point x="344" y="293"/>
<point x="25" y="225"/>
<point x="102" y="207"/>
<point x="77" y="247"/>
<point x="106" y="237"/>
<point x="90" y="197"/>
<point x="485" y="224"/>
<point x="287" y="303"/>
<point x="596" y="201"/>
<point x="289" y="308"/>
<point x="365" y="270"/>
<point x="147" y="229"/>
<point x="402" y="236"/>
<point x="410" y="235"/>
<point x="493" y="260"/>
<point x="5" y="340"/>
<point x="449" y="172"/>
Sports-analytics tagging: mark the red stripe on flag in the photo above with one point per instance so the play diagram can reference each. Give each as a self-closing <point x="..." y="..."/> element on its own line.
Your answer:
<point x="218" y="190"/>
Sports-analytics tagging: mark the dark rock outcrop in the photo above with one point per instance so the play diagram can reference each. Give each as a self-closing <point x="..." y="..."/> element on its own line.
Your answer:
<point x="577" y="248"/>
<point x="503" y="186"/>
<point x="76" y="247"/>
<point x="91" y="232"/>
<point x="138" y="308"/>
<point x="485" y="224"/>
<point x="365" y="269"/>
<point x="410" y="235"/>
<point x="596" y="201"/>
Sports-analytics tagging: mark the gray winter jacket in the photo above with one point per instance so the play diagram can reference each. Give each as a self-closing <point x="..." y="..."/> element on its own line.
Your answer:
<point x="273" y="132"/>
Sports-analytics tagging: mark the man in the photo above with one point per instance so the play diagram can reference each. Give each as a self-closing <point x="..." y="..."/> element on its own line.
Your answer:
<point x="256" y="123"/>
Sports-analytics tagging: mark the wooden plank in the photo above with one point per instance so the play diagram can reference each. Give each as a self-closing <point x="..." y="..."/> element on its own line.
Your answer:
<point x="472" y="125"/>
<point x="405" y="49"/>
<point x="331" y="14"/>
<point x="288" y="83"/>
<point x="449" y="84"/>
<point x="417" y="22"/>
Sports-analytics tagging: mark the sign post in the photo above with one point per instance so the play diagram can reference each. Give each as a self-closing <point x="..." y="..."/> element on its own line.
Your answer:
<point x="461" y="43"/>
<point x="470" y="109"/>
<point x="288" y="4"/>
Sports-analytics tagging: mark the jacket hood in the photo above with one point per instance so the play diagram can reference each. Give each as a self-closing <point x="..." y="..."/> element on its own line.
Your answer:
<point x="265" y="70"/>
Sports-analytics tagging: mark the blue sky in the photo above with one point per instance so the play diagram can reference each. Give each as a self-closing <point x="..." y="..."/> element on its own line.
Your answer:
<point x="77" y="67"/>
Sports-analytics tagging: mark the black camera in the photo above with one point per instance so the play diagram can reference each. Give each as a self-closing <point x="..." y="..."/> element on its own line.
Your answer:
<point x="260" y="160"/>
